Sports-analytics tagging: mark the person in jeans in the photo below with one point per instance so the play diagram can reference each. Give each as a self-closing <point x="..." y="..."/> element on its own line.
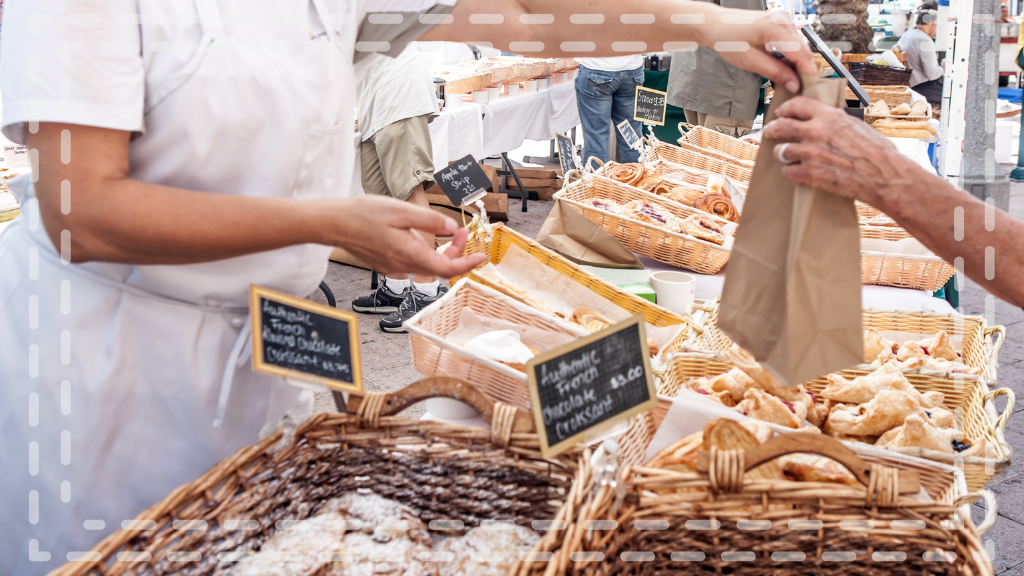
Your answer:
<point x="396" y="99"/>
<point x="605" y="91"/>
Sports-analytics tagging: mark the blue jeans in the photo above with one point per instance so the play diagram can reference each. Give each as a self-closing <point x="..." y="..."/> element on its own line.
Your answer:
<point x="602" y="96"/>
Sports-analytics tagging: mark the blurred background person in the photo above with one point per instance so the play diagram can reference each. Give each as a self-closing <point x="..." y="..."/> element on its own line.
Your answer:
<point x="605" y="92"/>
<point x="919" y="46"/>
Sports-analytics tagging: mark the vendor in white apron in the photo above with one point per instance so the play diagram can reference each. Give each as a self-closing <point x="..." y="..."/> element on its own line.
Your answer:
<point x="185" y="151"/>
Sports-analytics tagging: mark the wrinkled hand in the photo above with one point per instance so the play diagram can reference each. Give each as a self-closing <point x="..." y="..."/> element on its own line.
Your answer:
<point x="381" y="232"/>
<point x="833" y="151"/>
<point x="769" y="31"/>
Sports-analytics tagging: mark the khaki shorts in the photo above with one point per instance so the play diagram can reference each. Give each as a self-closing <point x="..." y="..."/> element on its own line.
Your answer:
<point x="735" y="127"/>
<point x="397" y="158"/>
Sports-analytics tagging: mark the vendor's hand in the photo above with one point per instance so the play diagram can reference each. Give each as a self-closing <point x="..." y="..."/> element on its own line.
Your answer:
<point x="833" y="151"/>
<point x="769" y="32"/>
<point x="381" y="232"/>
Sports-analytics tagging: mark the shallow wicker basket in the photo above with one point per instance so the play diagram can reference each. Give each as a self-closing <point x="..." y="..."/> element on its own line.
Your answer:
<point x="711" y="143"/>
<point x="905" y="270"/>
<point x="660" y="521"/>
<point x="892" y="233"/>
<point x="203" y="527"/>
<point x="892" y="95"/>
<point x="659" y="150"/>
<point x="969" y="395"/>
<point x="433" y="355"/>
<point x="686" y="175"/>
<point x="651" y="241"/>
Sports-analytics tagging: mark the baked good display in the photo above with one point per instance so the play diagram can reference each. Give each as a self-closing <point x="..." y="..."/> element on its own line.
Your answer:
<point x="630" y="174"/>
<point x="703" y="229"/>
<point x="683" y="194"/>
<point x="512" y="291"/>
<point x="595" y="322"/>
<point x="650" y="214"/>
<point x="931" y="354"/>
<point x="609" y="206"/>
<point x="719" y="205"/>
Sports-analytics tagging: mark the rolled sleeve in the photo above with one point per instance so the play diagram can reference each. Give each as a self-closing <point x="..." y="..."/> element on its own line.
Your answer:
<point x="71" y="62"/>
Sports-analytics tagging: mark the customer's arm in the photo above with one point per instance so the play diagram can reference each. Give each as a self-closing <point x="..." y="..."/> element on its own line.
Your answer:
<point x="835" y="152"/>
<point x="117" y="219"/>
<point x="619" y="27"/>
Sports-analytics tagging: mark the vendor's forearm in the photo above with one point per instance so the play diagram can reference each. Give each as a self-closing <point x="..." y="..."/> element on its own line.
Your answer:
<point x="928" y="209"/>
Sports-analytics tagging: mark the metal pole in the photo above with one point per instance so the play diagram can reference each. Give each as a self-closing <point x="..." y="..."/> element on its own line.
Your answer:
<point x="1018" y="173"/>
<point x="980" y="175"/>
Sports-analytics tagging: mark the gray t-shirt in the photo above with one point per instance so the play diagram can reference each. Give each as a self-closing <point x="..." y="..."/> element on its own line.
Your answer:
<point x="921" y="56"/>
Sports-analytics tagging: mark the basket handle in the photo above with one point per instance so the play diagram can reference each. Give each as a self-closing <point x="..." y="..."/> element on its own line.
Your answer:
<point x="685" y="127"/>
<point x="376" y="404"/>
<point x="594" y="159"/>
<point x="991" y="509"/>
<point x="1000" y="336"/>
<point x="1011" y="399"/>
<point x="811" y="443"/>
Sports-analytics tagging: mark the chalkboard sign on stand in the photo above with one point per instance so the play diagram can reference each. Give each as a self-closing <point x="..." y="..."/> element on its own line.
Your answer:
<point x="300" y="339"/>
<point x="588" y="386"/>
<point x="463" y="181"/>
<point x="649" y="106"/>
<point x="628" y="134"/>
<point x="566" y="153"/>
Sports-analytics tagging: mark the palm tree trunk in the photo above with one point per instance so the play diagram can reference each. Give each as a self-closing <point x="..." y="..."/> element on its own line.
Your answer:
<point x="844" y="24"/>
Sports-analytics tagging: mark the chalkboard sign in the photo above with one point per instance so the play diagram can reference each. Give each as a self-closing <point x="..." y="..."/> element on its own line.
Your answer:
<point x="463" y="181"/>
<point x="566" y="153"/>
<point x="628" y="134"/>
<point x="649" y="106"/>
<point x="588" y="386"/>
<point x="300" y="339"/>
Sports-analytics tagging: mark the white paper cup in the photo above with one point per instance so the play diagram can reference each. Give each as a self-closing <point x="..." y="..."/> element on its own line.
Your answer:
<point x="512" y="89"/>
<point x="452" y="100"/>
<point x="493" y="93"/>
<point x="545" y="82"/>
<point x="480" y="97"/>
<point x="529" y="86"/>
<point x="448" y="409"/>
<point x="675" y="290"/>
<point x="561" y="77"/>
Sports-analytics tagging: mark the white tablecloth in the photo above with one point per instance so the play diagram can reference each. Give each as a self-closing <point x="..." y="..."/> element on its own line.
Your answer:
<point x="488" y="129"/>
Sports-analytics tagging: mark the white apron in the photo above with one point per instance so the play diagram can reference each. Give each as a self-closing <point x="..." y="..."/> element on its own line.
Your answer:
<point x="110" y="374"/>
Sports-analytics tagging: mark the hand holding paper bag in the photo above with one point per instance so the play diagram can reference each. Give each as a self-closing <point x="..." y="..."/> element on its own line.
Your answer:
<point x="793" y="286"/>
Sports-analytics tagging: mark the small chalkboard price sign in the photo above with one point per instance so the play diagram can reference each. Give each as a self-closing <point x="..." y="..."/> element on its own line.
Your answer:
<point x="463" y="181"/>
<point x="649" y="106"/>
<point x="300" y="339"/>
<point x="628" y="134"/>
<point x="567" y="153"/>
<point x="588" y="386"/>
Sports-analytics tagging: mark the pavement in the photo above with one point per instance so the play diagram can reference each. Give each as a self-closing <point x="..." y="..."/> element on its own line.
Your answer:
<point x="387" y="366"/>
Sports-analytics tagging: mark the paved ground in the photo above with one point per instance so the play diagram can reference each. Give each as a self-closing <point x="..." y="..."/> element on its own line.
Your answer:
<point x="387" y="365"/>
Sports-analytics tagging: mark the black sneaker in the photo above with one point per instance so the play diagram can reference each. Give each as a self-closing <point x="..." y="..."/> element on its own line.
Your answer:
<point x="381" y="301"/>
<point x="414" y="302"/>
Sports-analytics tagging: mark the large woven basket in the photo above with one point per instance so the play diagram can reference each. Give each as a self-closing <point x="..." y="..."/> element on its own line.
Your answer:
<point x="651" y="241"/>
<point x="970" y="394"/>
<point x="655" y="521"/>
<point x="892" y="233"/>
<point x="494" y="243"/>
<point x="659" y="150"/>
<point x="205" y="526"/>
<point x="712" y="143"/>
<point x="433" y="355"/>
<point x="685" y="175"/>
<point x="892" y="95"/>
<point x="905" y="270"/>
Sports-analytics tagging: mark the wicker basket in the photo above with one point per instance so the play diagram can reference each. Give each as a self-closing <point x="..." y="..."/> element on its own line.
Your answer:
<point x="467" y="84"/>
<point x="236" y="506"/>
<point x="651" y="241"/>
<point x="718" y="523"/>
<point x="687" y="176"/>
<point x="869" y="74"/>
<point x="500" y="238"/>
<point x="905" y="271"/>
<point x="433" y="355"/>
<point x="972" y="394"/>
<point x="891" y="233"/>
<point x="891" y="95"/>
<point x="661" y="151"/>
<point x="711" y="143"/>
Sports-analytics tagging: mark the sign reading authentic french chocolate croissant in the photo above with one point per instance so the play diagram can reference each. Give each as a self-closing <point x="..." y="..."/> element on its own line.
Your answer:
<point x="792" y="294"/>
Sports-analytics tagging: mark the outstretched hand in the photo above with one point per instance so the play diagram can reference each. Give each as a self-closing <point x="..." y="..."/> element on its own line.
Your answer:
<point x="751" y="45"/>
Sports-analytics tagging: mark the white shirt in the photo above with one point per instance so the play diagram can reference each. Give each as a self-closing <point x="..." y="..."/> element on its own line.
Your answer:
<point x="613" y="63"/>
<point x="393" y="89"/>
<point x="921" y="56"/>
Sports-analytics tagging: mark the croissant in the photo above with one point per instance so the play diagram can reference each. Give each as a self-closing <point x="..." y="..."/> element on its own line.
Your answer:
<point x="863" y="388"/>
<point x="589" y="319"/>
<point x="703" y="387"/>
<point x="630" y="174"/>
<point x="811" y="468"/>
<point x="735" y="382"/>
<point x="726" y="434"/>
<point x="684" y="195"/>
<point x="702" y="228"/>
<point x="759" y="404"/>
<point x="649" y="182"/>
<point x="719" y="205"/>
<point x="888" y="409"/>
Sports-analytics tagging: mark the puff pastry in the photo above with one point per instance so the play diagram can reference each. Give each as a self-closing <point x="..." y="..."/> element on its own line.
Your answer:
<point x="875" y="345"/>
<point x="877" y="108"/>
<point x="702" y="228"/>
<point x="812" y="468"/>
<point x="716" y="185"/>
<point x="684" y="195"/>
<point x="703" y="386"/>
<point x="609" y="206"/>
<point x="759" y="404"/>
<point x="718" y="205"/>
<point x="887" y="410"/>
<point x="863" y="388"/>
<point x="735" y="382"/>
<point x="589" y="319"/>
<point x="631" y="173"/>
<point x="741" y="359"/>
<point x="916" y="432"/>
<point x="644" y="212"/>
<point x="901" y="110"/>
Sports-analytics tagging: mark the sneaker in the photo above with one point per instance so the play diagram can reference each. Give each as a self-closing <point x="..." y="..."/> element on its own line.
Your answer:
<point x="414" y="302"/>
<point x="381" y="301"/>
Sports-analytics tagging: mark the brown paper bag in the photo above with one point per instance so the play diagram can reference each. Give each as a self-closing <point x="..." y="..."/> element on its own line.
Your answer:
<point x="574" y="236"/>
<point x="792" y="294"/>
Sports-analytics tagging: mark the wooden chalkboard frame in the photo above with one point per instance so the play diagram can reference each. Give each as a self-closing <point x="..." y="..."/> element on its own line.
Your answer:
<point x="260" y="365"/>
<point x="545" y="447"/>
<point x="664" y="109"/>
